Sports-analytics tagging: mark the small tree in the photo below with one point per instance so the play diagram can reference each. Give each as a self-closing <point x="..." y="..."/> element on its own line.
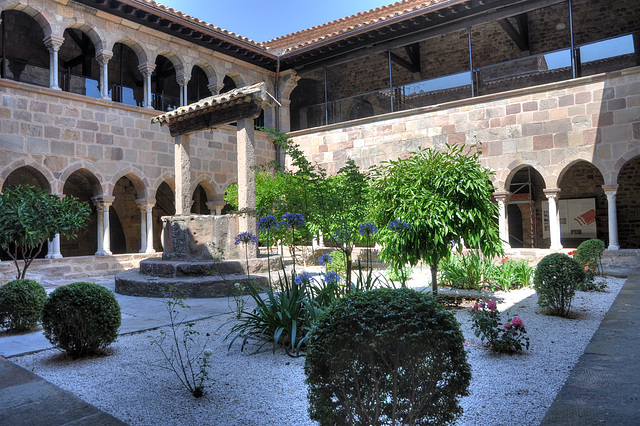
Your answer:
<point x="443" y="197"/>
<point x="29" y="217"/>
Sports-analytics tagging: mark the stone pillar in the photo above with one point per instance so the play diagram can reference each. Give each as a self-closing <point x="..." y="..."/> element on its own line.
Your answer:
<point x="146" y="225"/>
<point x="103" y="203"/>
<point x="554" y="222"/>
<point x="143" y="228"/>
<point x="611" y="191"/>
<point x="183" y="81"/>
<point x="103" y="59"/>
<point x="502" y="198"/>
<point x="146" y="70"/>
<point x="215" y="88"/>
<point x="54" y="248"/>
<point x="284" y="115"/>
<point x="246" y="180"/>
<point x="182" y="169"/>
<point x="53" y="44"/>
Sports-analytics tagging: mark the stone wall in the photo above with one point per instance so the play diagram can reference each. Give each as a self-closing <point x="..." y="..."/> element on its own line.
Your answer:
<point x="550" y="128"/>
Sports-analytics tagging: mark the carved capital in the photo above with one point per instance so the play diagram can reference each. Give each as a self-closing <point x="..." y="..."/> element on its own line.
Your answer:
<point x="53" y="43"/>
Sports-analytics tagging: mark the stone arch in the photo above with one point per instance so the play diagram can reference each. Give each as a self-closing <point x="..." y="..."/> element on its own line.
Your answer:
<point x="78" y="64"/>
<point x="203" y="192"/>
<point x="25" y="50"/>
<point x="629" y="154"/>
<point x="525" y="206"/>
<point x="94" y="34"/>
<point x="582" y="180"/>
<point x="124" y="214"/>
<point x="87" y="171"/>
<point x="42" y="18"/>
<point x="200" y="82"/>
<point x="40" y="175"/>
<point x="628" y="204"/>
<point x="137" y="48"/>
<point x="567" y="163"/>
<point x="139" y="184"/>
<point x="83" y="184"/>
<point x="165" y="88"/>
<point x="164" y="206"/>
<point x="234" y="77"/>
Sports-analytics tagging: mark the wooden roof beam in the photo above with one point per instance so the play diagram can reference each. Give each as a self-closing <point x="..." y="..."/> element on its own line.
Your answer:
<point x="521" y="36"/>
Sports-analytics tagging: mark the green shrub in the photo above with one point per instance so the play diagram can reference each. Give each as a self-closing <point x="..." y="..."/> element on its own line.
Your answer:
<point x="284" y="317"/>
<point x="21" y="303"/>
<point x="386" y="356"/>
<point x="589" y="254"/>
<point x="557" y="278"/>
<point x="82" y="318"/>
<point x="469" y="271"/>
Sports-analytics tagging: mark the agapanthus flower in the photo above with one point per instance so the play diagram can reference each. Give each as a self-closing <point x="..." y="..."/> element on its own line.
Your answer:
<point x="325" y="259"/>
<point x="293" y="220"/>
<point x="247" y="238"/>
<point x="398" y="225"/>
<point x="331" y="277"/>
<point x="367" y="229"/>
<point x="267" y="223"/>
<point x="303" y="278"/>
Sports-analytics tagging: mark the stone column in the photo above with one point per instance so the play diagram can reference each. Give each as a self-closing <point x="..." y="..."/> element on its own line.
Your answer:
<point x="215" y="88"/>
<point x="502" y="198"/>
<point x="554" y="222"/>
<point x="182" y="169"/>
<point x="183" y="81"/>
<point x="246" y="180"/>
<point x="146" y="225"/>
<point x="103" y="59"/>
<point x="53" y="44"/>
<point x="103" y="203"/>
<point x="146" y="70"/>
<point x="54" y="248"/>
<point x="611" y="191"/>
<point x="143" y="228"/>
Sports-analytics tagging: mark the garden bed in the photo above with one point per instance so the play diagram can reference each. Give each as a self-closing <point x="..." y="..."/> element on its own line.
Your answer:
<point x="267" y="388"/>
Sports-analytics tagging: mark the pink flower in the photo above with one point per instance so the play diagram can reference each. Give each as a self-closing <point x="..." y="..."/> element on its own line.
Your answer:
<point x="481" y="304"/>
<point x="586" y="268"/>
<point x="517" y="322"/>
<point x="492" y="305"/>
<point x="475" y="307"/>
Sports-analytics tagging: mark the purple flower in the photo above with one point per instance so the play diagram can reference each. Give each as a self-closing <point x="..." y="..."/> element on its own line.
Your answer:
<point x="325" y="259"/>
<point x="267" y="223"/>
<point x="303" y="278"/>
<point x="342" y="236"/>
<point x="367" y="229"/>
<point x="293" y="220"/>
<point x="398" y="225"/>
<point x="247" y="238"/>
<point x="331" y="277"/>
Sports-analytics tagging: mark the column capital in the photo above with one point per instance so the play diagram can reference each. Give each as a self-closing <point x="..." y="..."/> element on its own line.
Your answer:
<point x="182" y="78"/>
<point x="215" y="88"/>
<point x="610" y="189"/>
<point x="104" y="57"/>
<point x="288" y="82"/>
<point x="551" y="192"/>
<point x="53" y="42"/>
<point x="502" y="195"/>
<point x="103" y="200"/>
<point x="145" y="202"/>
<point x="147" y="68"/>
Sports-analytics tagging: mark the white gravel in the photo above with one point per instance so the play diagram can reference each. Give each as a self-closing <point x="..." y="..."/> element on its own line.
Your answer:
<point x="267" y="388"/>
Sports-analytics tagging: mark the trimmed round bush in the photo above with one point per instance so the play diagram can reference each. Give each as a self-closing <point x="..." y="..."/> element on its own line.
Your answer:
<point x="589" y="254"/>
<point x="557" y="278"/>
<point x="82" y="318"/>
<point x="386" y="356"/>
<point x="21" y="303"/>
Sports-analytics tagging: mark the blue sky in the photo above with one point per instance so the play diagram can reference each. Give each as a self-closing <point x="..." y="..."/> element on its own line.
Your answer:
<point x="263" y="20"/>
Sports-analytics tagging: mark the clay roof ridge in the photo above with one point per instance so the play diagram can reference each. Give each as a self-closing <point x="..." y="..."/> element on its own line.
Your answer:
<point x="393" y="9"/>
<point x="195" y="20"/>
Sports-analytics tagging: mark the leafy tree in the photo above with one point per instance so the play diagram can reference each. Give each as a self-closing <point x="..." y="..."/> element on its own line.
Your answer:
<point x="29" y="217"/>
<point x="443" y="196"/>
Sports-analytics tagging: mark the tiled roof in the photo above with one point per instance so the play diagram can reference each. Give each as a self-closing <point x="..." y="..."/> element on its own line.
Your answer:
<point x="359" y="21"/>
<point x="256" y="93"/>
<point x="209" y="26"/>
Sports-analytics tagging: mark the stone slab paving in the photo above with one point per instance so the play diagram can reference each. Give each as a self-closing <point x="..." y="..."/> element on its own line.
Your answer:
<point x="604" y="386"/>
<point x="26" y="399"/>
